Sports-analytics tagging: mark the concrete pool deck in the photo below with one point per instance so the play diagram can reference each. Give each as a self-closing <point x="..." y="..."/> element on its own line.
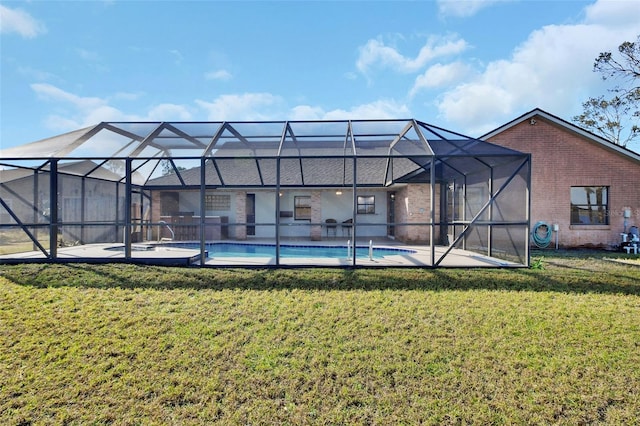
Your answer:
<point x="154" y="253"/>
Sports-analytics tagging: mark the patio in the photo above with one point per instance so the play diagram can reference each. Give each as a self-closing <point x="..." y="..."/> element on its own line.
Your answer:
<point x="155" y="253"/>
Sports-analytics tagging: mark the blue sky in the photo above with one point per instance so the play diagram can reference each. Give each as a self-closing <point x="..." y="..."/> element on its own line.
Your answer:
<point x="469" y="66"/>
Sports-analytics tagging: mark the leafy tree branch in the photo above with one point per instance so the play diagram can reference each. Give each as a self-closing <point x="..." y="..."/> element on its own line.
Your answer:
<point x="616" y="119"/>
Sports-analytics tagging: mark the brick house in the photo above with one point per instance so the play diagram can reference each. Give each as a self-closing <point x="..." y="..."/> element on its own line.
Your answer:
<point x="586" y="185"/>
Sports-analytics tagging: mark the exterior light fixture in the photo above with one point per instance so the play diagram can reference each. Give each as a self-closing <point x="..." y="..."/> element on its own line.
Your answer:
<point x="338" y="192"/>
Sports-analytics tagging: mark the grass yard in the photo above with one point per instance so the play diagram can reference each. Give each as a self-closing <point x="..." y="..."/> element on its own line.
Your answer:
<point x="124" y="344"/>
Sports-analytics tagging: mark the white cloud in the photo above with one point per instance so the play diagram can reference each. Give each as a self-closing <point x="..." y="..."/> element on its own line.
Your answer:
<point x="20" y="22"/>
<point x="75" y="112"/>
<point x="247" y="106"/>
<point x="76" y="119"/>
<point x="88" y="55"/>
<point x="440" y="75"/>
<point x="128" y="96"/>
<point x="306" y="112"/>
<point x="60" y="123"/>
<point x="53" y="93"/>
<point x="103" y="113"/>
<point x="375" y="54"/>
<point x="463" y="8"/>
<point x="92" y="59"/>
<point x="612" y="13"/>
<point x="350" y="75"/>
<point x="552" y="70"/>
<point x="36" y="74"/>
<point x="169" y="112"/>
<point x="380" y="109"/>
<point x="218" y="75"/>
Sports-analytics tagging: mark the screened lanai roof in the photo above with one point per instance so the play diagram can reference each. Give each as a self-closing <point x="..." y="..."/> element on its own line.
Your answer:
<point x="408" y="142"/>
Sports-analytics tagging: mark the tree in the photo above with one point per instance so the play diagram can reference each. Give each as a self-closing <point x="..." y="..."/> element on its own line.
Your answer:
<point x="629" y="65"/>
<point x="616" y="119"/>
<point x="169" y="168"/>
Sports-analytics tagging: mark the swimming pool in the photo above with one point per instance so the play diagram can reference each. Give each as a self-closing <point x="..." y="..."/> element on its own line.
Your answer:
<point x="288" y="250"/>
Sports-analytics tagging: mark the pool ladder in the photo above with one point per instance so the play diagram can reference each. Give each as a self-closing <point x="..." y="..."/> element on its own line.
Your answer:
<point x="173" y="235"/>
<point x="354" y="248"/>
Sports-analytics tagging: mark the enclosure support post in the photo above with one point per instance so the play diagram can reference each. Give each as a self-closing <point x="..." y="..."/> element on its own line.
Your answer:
<point x="465" y="205"/>
<point x="354" y="212"/>
<point x="277" y="218"/>
<point x="53" y="203"/>
<point x="490" y="227"/>
<point x="115" y="231"/>
<point x="432" y="208"/>
<point x="36" y="205"/>
<point x="83" y="194"/>
<point x="127" y="210"/>
<point x="203" y="191"/>
<point x="528" y="198"/>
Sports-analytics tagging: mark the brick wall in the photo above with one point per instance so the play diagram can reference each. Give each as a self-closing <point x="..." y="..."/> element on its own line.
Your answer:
<point x="413" y="206"/>
<point x="239" y="232"/>
<point x="316" y="215"/>
<point x="562" y="159"/>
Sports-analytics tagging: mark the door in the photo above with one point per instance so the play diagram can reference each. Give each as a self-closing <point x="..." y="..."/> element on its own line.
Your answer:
<point x="453" y="206"/>
<point x="251" y="214"/>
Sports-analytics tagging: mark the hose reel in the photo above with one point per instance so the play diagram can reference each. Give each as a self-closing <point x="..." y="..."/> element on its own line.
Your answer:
<point x="541" y="234"/>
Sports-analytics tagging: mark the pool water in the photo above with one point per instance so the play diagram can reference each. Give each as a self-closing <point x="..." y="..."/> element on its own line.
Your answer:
<point x="289" y="251"/>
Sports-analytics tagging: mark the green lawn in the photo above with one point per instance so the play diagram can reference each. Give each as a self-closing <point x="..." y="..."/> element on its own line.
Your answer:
<point x="125" y="344"/>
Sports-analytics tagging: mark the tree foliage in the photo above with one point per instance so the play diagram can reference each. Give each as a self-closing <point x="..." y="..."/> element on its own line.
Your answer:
<point x="617" y="118"/>
<point x="606" y="117"/>
<point x="169" y="168"/>
<point x="627" y="67"/>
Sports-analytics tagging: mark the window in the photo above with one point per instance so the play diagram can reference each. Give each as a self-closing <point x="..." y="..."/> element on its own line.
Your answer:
<point x="302" y="207"/>
<point x="220" y="202"/>
<point x="366" y="204"/>
<point x="589" y="205"/>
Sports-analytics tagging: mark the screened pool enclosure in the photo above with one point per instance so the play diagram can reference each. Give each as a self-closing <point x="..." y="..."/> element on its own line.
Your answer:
<point x="278" y="193"/>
